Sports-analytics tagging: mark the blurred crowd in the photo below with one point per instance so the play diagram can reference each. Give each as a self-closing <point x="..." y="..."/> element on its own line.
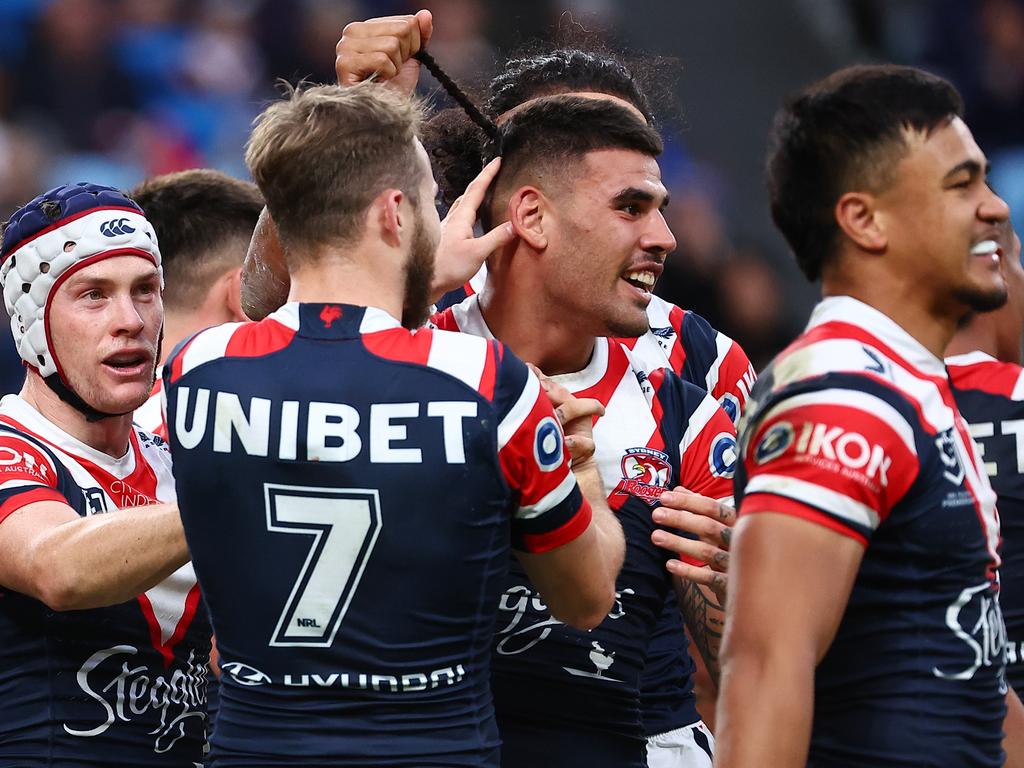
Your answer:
<point x="114" y="91"/>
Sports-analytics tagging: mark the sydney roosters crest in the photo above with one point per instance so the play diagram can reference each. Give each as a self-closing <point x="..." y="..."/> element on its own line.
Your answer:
<point x="645" y="474"/>
<point x="329" y="314"/>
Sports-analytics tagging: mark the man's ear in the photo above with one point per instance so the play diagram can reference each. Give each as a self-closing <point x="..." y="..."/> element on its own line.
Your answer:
<point x="387" y="214"/>
<point x="529" y="212"/>
<point x="859" y="218"/>
<point x="233" y="294"/>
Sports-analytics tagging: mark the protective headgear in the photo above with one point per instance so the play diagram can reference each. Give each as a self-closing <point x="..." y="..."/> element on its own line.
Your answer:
<point x="47" y="241"/>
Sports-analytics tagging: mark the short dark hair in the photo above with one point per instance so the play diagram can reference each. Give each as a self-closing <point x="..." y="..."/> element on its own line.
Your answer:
<point x="456" y="145"/>
<point x="842" y="133"/>
<point x="553" y="131"/>
<point x="203" y="221"/>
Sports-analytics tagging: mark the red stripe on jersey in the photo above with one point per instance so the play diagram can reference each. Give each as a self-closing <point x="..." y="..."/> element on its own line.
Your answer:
<point x="29" y="496"/>
<point x="657" y="441"/>
<point x="136" y="490"/>
<point x="695" y="465"/>
<point x="677" y="358"/>
<point x="176" y="362"/>
<point x="735" y="375"/>
<point x="158" y="385"/>
<point x="990" y="376"/>
<point x="618" y="364"/>
<point x="539" y="543"/>
<point x="489" y="374"/>
<point x="759" y="503"/>
<point x="166" y="650"/>
<point x="400" y="345"/>
<point x="519" y="463"/>
<point x="445" y="320"/>
<point x="258" y="339"/>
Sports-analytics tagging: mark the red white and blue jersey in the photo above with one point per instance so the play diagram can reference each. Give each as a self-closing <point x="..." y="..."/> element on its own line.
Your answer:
<point x="566" y="697"/>
<point x="118" y="686"/>
<point x="351" y="492"/>
<point x="149" y="416"/>
<point x="685" y="343"/>
<point x="854" y="427"/>
<point x="990" y="395"/>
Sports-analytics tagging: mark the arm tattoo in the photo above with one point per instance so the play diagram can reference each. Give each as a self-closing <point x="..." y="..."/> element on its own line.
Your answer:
<point x="705" y="618"/>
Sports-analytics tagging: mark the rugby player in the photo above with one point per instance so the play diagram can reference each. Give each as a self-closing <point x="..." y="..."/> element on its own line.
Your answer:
<point x="984" y="364"/>
<point x="103" y="637"/>
<point x="386" y="474"/>
<point x="864" y="626"/>
<point x="681" y="339"/>
<point x="203" y="220"/>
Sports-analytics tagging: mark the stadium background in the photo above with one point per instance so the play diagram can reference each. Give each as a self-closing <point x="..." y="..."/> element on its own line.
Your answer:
<point x="113" y="91"/>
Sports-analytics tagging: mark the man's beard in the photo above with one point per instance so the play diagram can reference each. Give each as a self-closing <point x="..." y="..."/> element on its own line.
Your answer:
<point x="419" y="277"/>
<point x="980" y="300"/>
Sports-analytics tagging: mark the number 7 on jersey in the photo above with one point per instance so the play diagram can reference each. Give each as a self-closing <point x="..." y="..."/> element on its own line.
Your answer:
<point x="344" y="524"/>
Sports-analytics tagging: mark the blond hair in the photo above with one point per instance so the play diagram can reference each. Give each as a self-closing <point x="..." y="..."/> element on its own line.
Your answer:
<point x="323" y="153"/>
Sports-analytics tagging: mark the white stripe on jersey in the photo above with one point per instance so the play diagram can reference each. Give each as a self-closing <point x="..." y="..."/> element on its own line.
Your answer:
<point x="518" y="413"/>
<point x="722" y="346"/>
<point x="874" y="406"/>
<point x="287" y="315"/>
<point x="835" y="503"/>
<point x="459" y="355"/>
<point x="374" y="320"/>
<point x="550" y="501"/>
<point x="701" y="416"/>
<point x="149" y="416"/>
<point x="1018" y="388"/>
<point x="208" y="345"/>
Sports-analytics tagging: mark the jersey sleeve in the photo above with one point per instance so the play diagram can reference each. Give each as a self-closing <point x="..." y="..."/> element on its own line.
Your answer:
<point x="839" y="458"/>
<point x="27" y="475"/>
<point x="708" y="451"/>
<point x="712" y="360"/>
<point x="550" y="509"/>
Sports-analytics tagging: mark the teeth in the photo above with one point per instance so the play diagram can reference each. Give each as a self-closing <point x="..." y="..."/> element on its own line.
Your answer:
<point x="645" y="278"/>
<point x="985" y="248"/>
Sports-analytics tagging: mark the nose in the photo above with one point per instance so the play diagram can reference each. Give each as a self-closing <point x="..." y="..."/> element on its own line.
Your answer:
<point x="993" y="209"/>
<point x="127" y="320"/>
<point x="658" y="238"/>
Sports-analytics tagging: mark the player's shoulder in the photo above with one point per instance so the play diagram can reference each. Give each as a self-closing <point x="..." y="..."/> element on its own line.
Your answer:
<point x="979" y="372"/>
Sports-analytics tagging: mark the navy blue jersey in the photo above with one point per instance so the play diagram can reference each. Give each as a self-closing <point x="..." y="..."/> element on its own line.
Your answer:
<point x="688" y="345"/>
<point x="854" y="427"/>
<point x="566" y="697"/>
<point x="351" y="492"/>
<point x="118" y="686"/>
<point x="990" y="395"/>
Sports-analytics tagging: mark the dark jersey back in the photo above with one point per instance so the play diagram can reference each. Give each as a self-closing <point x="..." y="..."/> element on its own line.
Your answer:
<point x="96" y="687"/>
<point x="989" y="395"/>
<point x="350" y="492"/>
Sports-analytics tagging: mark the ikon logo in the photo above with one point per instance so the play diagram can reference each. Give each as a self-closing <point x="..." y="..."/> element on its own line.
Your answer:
<point x="116" y="227"/>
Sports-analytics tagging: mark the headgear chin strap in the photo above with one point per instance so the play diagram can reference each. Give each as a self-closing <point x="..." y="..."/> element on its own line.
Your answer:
<point x="48" y="240"/>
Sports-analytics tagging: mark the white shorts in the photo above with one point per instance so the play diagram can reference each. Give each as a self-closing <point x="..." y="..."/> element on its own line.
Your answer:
<point x="689" y="747"/>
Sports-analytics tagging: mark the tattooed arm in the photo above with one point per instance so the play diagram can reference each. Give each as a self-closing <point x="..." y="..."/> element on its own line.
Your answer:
<point x="704" y="615"/>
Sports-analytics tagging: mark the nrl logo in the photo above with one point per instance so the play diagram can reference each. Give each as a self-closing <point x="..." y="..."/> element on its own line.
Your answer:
<point x="645" y="474"/>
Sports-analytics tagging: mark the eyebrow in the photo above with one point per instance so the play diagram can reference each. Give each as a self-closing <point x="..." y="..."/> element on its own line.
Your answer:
<point x="637" y="195"/>
<point x="81" y="280"/>
<point x="973" y="167"/>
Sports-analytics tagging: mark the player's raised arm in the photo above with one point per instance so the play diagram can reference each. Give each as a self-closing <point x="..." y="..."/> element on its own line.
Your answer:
<point x="383" y="47"/>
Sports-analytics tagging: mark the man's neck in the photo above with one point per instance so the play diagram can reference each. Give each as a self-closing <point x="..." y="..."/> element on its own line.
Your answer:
<point x="973" y="337"/>
<point x="533" y="329"/>
<point x="110" y="435"/>
<point x="358" y="276"/>
<point x="179" y="325"/>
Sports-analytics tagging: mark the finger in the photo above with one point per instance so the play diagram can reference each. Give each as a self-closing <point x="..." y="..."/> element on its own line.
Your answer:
<point x="700" y="551"/>
<point x="499" y="237"/>
<point x="382" y="26"/>
<point x="426" y="27"/>
<point x="719" y="582"/>
<point x="573" y="408"/>
<point x="680" y="498"/>
<point x="707" y="529"/>
<point x="580" y="448"/>
<point x="477" y="188"/>
<point x="355" y="69"/>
